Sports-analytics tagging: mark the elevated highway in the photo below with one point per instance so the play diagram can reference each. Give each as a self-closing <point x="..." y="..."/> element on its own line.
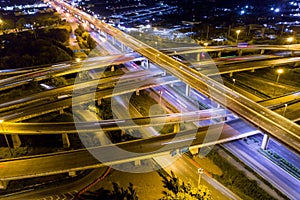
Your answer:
<point x="110" y="125"/>
<point x="266" y="120"/>
<point x="64" y="162"/>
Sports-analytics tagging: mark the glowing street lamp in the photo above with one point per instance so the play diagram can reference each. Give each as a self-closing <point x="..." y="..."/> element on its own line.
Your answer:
<point x="278" y="71"/>
<point x="290" y="39"/>
<point x="200" y="172"/>
<point x="237" y="35"/>
<point x="285" y="107"/>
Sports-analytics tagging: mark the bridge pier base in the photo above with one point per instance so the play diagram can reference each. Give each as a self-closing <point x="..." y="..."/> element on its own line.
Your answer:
<point x="198" y="57"/>
<point x="187" y="90"/>
<point x="265" y="142"/>
<point x="16" y="141"/>
<point x="165" y="73"/>
<point x="72" y="173"/>
<point x="262" y="51"/>
<point x="3" y="185"/>
<point x="99" y="102"/>
<point x="176" y="128"/>
<point x="194" y="151"/>
<point x="137" y="163"/>
<point x="145" y="64"/>
<point x="240" y="52"/>
<point x="65" y="140"/>
<point x="137" y="92"/>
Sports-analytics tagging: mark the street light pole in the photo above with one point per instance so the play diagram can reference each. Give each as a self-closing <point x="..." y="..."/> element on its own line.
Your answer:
<point x="200" y="172"/>
<point x="6" y="140"/>
<point x="237" y="36"/>
<point x="285" y="107"/>
<point x="279" y="71"/>
<point x="233" y="83"/>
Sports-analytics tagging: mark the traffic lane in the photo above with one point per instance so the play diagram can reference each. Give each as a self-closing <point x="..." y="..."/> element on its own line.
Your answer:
<point x="274" y="174"/>
<point x="82" y="159"/>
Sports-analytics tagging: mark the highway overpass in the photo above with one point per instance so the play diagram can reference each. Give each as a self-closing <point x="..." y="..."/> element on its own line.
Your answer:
<point x="275" y="125"/>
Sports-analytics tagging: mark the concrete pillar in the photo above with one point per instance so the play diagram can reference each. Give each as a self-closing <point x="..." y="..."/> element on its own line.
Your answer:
<point x="231" y="74"/>
<point x="146" y="64"/>
<point x="3" y="185"/>
<point x="187" y="90"/>
<point x="99" y="102"/>
<point x="65" y="140"/>
<point x="265" y="142"/>
<point x="252" y="70"/>
<point x="61" y="111"/>
<point x="292" y="53"/>
<point x="113" y="40"/>
<point x="137" y="163"/>
<point x="72" y="173"/>
<point x="137" y="92"/>
<point x="122" y="47"/>
<point x="262" y="51"/>
<point x="240" y="52"/>
<point x="112" y="69"/>
<point x="165" y="73"/>
<point x="194" y="151"/>
<point x="105" y="35"/>
<point x="198" y="57"/>
<point x="16" y="141"/>
<point x="176" y="128"/>
<point x="219" y="54"/>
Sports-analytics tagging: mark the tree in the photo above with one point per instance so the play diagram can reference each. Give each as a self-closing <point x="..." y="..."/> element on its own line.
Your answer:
<point x="180" y="190"/>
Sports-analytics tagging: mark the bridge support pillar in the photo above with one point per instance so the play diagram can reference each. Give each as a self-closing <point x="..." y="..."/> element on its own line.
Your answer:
<point x="187" y="90"/>
<point x="65" y="140"/>
<point x="112" y="68"/>
<point x="194" y="151"/>
<point x="262" y="51"/>
<point x="165" y="73"/>
<point x="219" y="54"/>
<point x="252" y="70"/>
<point x="265" y="142"/>
<point x="145" y="64"/>
<point x="137" y="92"/>
<point x="240" y="52"/>
<point x="137" y="163"/>
<point x="198" y="57"/>
<point x="99" y="102"/>
<point x="113" y="40"/>
<point x="72" y="173"/>
<point x="61" y="111"/>
<point x="230" y="74"/>
<point x="176" y="128"/>
<point x="292" y="53"/>
<point x="3" y="185"/>
<point x="16" y="141"/>
<point x="105" y="35"/>
<point x="122" y="47"/>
